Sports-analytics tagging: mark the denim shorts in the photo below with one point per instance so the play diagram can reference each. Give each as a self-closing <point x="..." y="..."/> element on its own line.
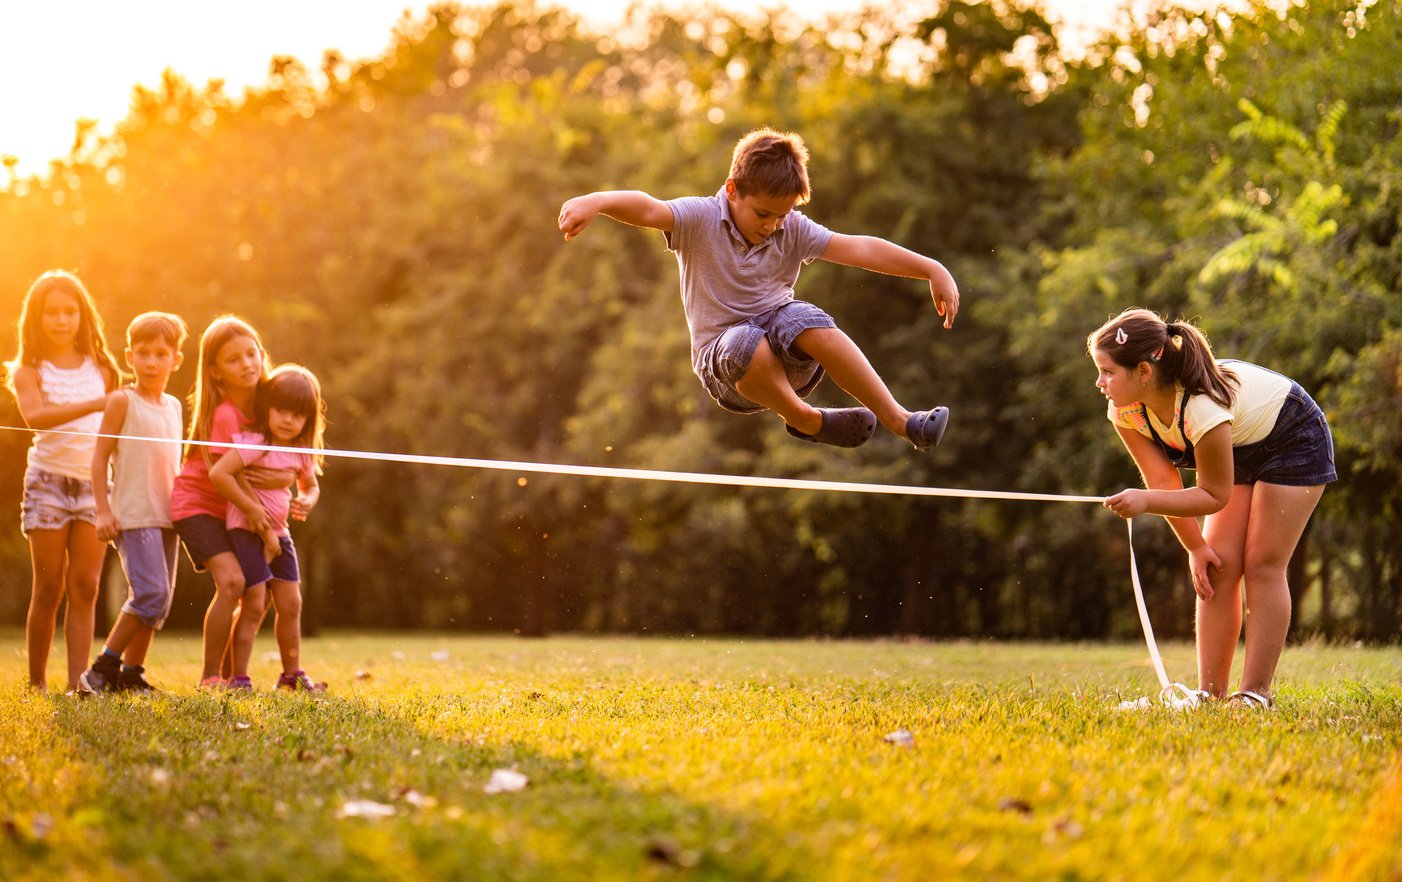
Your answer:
<point x="204" y="536"/>
<point x="148" y="558"/>
<point x="1298" y="452"/>
<point x="51" y="501"/>
<point x="726" y="359"/>
<point x="258" y="570"/>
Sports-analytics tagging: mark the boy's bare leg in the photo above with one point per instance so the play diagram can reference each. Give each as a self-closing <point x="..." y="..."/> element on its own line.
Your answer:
<point x="766" y="384"/>
<point x="140" y="643"/>
<point x="850" y="370"/>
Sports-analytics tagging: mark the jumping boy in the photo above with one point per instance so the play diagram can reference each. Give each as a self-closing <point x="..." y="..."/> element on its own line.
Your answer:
<point x="136" y="516"/>
<point x="754" y="346"/>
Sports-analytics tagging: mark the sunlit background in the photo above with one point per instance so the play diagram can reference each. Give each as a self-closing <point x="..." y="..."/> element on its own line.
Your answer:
<point x="60" y="62"/>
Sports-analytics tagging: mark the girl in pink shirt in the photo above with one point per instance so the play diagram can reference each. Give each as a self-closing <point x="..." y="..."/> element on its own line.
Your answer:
<point x="232" y="364"/>
<point x="289" y="413"/>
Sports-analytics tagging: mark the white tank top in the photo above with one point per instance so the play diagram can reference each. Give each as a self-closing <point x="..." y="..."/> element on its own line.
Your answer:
<point x="68" y="455"/>
<point x="143" y="472"/>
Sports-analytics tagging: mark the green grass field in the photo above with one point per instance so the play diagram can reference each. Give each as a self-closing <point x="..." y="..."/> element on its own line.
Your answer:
<point x="704" y="759"/>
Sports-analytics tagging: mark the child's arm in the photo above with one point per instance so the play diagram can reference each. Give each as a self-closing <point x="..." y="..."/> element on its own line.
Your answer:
<point x="39" y="414"/>
<point x="113" y="415"/>
<point x="308" y="493"/>
<point x="272" y="543"/>
<point x="1181" y="506"/>
<point x="628" y="206"/>
<point x="224" y="475"/>
<point x="880" y="256"/>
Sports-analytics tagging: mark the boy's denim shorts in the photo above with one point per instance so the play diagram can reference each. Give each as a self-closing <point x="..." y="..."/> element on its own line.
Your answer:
<point x="51" y="501"/>
<point x="204" y="536"/>
<point x="148" y="558"/>
<point x="722" y="363"/>
<point x="1298" y="452"/>
<point x="256" y="569"/>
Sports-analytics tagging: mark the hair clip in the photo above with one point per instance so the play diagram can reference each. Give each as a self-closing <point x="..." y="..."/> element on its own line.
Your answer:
<point x="1121" y="337"/>
<point x="1158" y="354"/>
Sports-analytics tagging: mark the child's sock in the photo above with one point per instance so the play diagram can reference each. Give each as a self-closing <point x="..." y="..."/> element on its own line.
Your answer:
<point x="128" y="669"/>
<point x="107" y="658"/>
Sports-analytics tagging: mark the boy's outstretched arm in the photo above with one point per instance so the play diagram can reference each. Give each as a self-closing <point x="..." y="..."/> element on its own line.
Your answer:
<point x="628" y="206"/>
<point x="880" y="256"/>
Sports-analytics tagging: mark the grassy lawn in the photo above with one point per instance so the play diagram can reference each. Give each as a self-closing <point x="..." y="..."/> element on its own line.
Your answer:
<point x="704" y="759"/>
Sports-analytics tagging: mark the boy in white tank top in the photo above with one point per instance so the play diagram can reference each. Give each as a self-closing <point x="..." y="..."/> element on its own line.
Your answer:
<point x="135" y="515"/>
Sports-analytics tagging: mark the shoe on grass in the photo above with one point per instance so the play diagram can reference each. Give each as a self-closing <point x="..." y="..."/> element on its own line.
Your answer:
<point x="298" y="681"/>
<point x="1253" y="700"/>
<point x="103" y="676"/>
<point x="133" y="679"/>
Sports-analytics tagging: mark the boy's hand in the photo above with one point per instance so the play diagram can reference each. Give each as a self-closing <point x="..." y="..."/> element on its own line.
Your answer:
<point x="107" y="527"/>
<point x="576" y="214"/>
<point x="945" y="293"/>
<point x="272" y="547"/>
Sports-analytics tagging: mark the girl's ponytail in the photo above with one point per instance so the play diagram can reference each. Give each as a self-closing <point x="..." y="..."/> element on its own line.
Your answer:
<point x="1188" y="359"/>
<point x="1178" y="350"/>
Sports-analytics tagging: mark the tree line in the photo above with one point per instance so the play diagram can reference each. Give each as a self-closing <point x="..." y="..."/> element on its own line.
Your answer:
<point x="389" y="222"/>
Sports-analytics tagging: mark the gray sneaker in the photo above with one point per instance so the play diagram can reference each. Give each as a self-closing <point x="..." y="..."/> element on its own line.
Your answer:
<point x="133" y="679"/>
<point x="101" y="677"/>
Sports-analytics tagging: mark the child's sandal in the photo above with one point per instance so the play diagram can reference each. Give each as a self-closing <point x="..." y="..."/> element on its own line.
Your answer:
<point x="925" y="429"/>
<point x="1253" y="700"/>
<point x="842" y="427"/>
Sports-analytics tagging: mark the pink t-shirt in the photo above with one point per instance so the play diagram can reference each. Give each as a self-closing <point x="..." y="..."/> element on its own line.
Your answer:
<point x="275" y="501"/>
<point x="194" y="494"/>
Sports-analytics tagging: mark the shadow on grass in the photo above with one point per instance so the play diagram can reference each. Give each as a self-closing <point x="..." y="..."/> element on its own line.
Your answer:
<point x="252" y="787"/>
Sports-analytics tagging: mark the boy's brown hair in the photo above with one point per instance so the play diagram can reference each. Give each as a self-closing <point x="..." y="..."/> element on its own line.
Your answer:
<point x="157" y="325"/>
<point x="770" y="163"/>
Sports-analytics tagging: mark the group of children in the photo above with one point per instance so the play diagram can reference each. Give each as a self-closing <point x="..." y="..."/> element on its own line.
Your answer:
<point x="1261" y="445"/>
<point x="106" y="466"/>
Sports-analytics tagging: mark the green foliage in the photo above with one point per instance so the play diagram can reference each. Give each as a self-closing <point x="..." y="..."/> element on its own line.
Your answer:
<point x="704" y="759"/>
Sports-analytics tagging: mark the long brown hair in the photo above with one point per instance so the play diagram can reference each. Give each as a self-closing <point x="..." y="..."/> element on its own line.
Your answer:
<point x="207" y="394"/>
<point x="1177" y="351"/>
<point x="90" y="339"/>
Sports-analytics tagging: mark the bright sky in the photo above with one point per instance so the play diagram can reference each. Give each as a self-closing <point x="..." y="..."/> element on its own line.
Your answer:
<point x="65" y="59"/>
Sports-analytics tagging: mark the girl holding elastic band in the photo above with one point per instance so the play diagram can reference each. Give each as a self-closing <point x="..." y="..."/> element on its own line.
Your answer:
<point x="1262" y="452"/>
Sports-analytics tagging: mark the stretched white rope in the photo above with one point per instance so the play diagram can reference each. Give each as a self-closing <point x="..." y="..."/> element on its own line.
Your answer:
<point x="1169" y="691"/>
<point x="506" y="465"/>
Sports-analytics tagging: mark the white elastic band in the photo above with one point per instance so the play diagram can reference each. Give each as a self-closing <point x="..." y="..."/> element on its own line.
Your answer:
<point x="1144" y="612"/>
<point x="505" y="465"/>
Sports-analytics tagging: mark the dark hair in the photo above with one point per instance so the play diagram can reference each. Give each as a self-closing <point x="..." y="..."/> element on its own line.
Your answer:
<point x="152" y="325"/>
<point x="1178" y="352"/>
<point x="770" y="163"/>
<point x="295" y="389"/>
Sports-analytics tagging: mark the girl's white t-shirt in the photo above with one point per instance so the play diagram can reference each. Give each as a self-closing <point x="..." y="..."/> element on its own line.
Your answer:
<point x="69" y="455"/>
<point x="1260" y="394"/>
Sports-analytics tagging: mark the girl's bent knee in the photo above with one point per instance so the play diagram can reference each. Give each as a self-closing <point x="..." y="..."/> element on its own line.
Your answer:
<point x="230" y="590"/>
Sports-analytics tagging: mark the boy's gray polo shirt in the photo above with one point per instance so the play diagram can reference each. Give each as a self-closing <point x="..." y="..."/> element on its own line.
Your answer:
<point x="725" y="281"/>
